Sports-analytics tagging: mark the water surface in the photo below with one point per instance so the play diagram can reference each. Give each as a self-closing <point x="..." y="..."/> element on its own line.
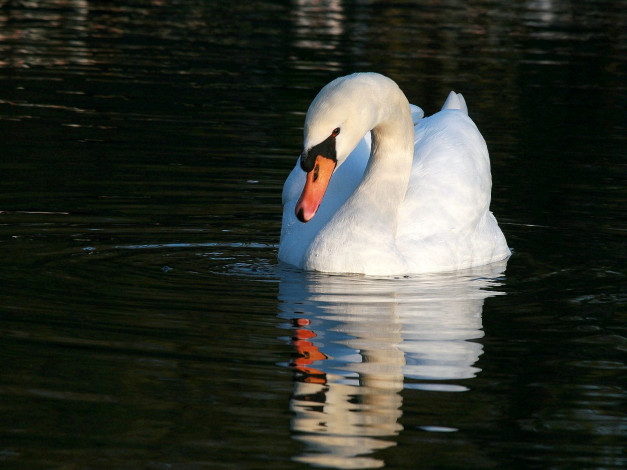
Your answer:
<point x="145" y="321"/>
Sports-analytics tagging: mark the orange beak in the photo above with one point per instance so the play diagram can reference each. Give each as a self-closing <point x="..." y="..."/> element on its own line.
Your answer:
<point x="315" y="187"/>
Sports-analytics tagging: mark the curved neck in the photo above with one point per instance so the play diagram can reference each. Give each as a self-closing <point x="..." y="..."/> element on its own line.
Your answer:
<point x="367" y="221"/>
<point x="386" y="178"/>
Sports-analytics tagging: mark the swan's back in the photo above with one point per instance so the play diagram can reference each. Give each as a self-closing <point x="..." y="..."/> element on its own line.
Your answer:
<point x="445" y="222"/>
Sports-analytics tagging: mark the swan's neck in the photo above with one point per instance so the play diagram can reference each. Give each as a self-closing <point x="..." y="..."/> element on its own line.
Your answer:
<point x="363" y="230"/>
<point x="377" y="199"/>
<point x="385" y="180"/>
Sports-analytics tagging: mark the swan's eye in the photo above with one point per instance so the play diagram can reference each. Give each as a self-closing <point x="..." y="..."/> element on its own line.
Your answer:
<point x="316" y="171"/>
<point x="335" y="132"/>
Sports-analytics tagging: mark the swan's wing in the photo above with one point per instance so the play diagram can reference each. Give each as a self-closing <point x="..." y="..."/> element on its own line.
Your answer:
<point x="446" y="208"/>
<point x="416" y="113"/>
<point x="450" y="181"/>
<point x="451" y="166"/>
<point x="294" y="184"/>
<point x="455" y="101"/>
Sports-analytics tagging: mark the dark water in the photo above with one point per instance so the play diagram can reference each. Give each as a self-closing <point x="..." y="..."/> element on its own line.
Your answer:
<point x="144" y="319"/>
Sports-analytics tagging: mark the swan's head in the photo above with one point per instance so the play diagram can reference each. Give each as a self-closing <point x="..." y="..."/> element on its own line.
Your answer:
<point x="338" y="118"/>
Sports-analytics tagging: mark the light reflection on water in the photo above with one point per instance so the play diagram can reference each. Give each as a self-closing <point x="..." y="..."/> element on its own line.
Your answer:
<point x="360" y="341"/>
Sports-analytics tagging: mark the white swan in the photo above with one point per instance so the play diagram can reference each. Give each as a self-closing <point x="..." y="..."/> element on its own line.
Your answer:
<point x="411" y="196"/>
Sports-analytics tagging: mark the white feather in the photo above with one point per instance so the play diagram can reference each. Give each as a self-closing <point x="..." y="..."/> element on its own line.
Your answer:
<point x="389" y="210"/>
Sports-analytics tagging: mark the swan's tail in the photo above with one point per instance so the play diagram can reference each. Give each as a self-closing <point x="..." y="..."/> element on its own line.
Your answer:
<point x="455" y="101"/>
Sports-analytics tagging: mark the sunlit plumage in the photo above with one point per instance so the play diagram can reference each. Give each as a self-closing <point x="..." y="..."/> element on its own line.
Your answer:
<point x="412" y="196"/>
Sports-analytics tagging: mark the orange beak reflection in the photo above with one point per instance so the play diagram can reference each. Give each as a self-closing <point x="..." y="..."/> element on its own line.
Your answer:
<point x="315" y="187"/>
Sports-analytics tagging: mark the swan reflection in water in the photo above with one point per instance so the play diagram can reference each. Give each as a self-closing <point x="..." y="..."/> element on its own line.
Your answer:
<point x="358" y="341"/>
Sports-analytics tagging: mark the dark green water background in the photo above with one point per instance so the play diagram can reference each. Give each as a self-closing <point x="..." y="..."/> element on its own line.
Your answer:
<point x="145" y="322"/>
